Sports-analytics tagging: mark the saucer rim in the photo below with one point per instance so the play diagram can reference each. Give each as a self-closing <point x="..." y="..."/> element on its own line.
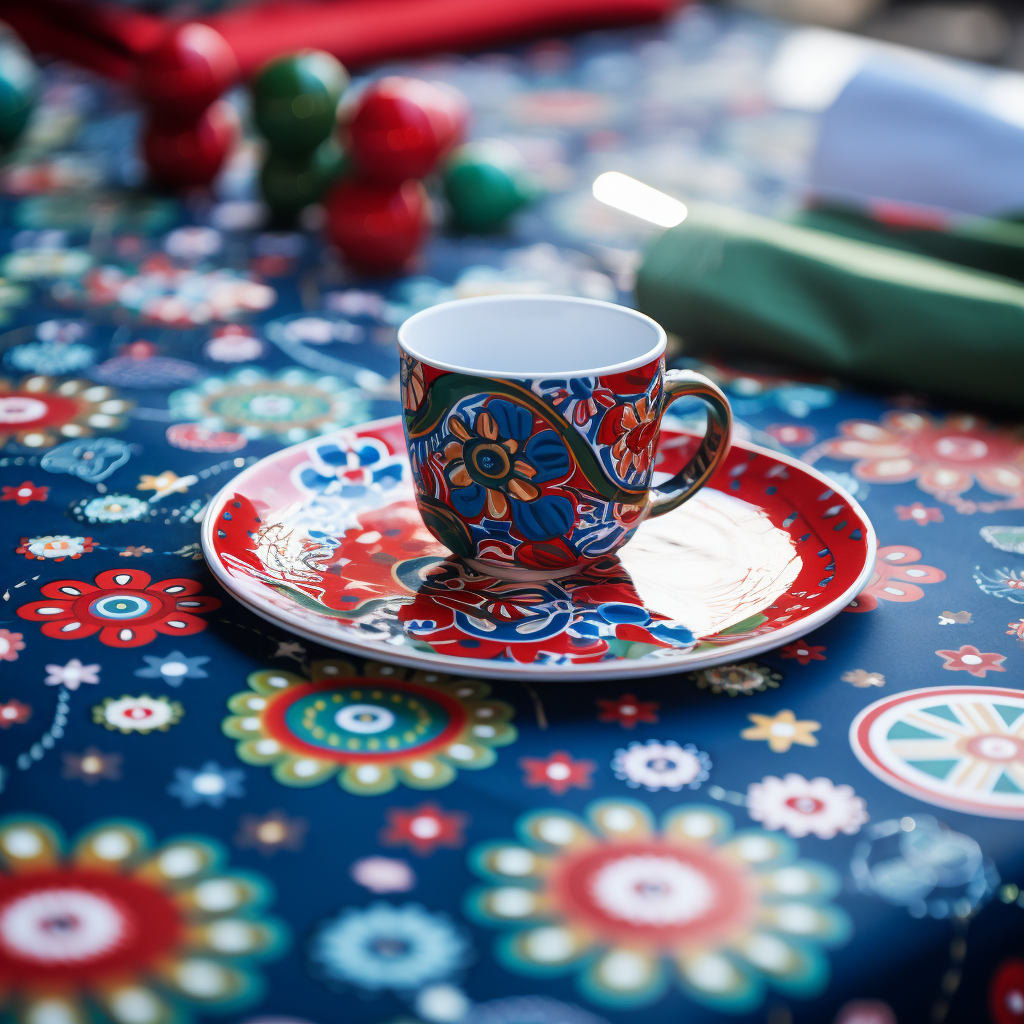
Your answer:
<point x="488" y="669"/>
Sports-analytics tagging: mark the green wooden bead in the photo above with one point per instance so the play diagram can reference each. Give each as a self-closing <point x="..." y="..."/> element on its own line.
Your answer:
<point x="291" y="183"/>
<point x="485" y="182"/>
<point x="295" y="100"/>
<point x="19" y="79"/>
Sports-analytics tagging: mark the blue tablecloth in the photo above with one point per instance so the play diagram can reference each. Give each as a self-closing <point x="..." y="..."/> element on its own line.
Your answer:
<point x="137" y="331"/>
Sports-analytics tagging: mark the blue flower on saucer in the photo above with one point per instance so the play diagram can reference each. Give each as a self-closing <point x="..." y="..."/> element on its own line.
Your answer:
<point x="605" y="620"/>
<point x="351" y="472"/>
<point x="496" y="463"/>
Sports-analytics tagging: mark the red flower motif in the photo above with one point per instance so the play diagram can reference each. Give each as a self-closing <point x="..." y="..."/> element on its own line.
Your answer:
<point x="970" y="659"/>
<point x="627" y="711"/>
<point x="804" y="652"/>
<point x="54" y="548"/>
<point x="1016" y="629"/>
<point x="14" y="713"/>
<point x="25" y="492"/>
<point x="919" y="513"/>
<point x="424" y="828"/>
<point x="632" y="431"/>
<point x="122" y="606"/>
<point x="895" y="578"/>
<point x="945" y="456"/>
<point x="1006" y="992"/>
<point x="558" y="772"/>
<point x="10" y="644"/>
<point x="791" y="434"/>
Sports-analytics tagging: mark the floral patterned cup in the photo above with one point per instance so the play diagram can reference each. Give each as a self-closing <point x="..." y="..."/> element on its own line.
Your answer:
<point x="526" y="465"/>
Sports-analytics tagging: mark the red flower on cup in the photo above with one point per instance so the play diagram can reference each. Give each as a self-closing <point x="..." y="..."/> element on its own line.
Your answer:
<point x="632" y="431"/>
<point x="895" y="578"/>
<point x="123" y="606"/>
<point x="970" y="659"/>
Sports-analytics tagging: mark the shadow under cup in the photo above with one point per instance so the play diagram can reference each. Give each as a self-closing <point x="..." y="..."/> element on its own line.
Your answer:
<point x="532" y="424"/>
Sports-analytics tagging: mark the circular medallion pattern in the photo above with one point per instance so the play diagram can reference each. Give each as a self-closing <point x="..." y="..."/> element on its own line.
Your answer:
<point x="109" y="927"/>
<point x="628" y="904"/>
<point x="371" y="731"/>
<point x="960" y="747"/>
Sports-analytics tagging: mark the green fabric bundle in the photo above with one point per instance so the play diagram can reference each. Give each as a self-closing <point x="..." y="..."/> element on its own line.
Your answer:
<point x="905" y="309"/>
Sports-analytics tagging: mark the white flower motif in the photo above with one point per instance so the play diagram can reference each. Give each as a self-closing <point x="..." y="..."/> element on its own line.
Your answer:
<point x="655" y="765"/>
<point x="72" y="675"/>
<point x="383" y="874"/>
<point x="800" y="806"/>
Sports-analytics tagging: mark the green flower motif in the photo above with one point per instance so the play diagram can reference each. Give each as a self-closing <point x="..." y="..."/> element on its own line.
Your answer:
<point x="292" y="405"/>
<point x="748" y="678"/>
<point x="371" y="731"/>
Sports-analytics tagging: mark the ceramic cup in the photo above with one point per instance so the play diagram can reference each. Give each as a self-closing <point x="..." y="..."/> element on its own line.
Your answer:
<point x="532" y="423"/>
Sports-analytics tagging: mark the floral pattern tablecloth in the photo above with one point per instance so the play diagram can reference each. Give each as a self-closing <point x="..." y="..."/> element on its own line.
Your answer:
<point x="829" y="832"/>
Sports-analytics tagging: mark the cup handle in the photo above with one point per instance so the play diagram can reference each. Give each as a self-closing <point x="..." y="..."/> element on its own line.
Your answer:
<point x="713" y="449"/>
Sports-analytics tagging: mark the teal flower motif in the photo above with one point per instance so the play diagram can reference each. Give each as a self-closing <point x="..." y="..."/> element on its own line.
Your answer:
<point x="629" y="908"/>
<point x="112" y="508"/>
<point x="384" y="946"/>
<point x="292" y="405"/>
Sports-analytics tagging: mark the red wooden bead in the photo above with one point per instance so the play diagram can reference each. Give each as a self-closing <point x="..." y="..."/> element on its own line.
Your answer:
<point x="378" y="227"/>
<point x="179" y="157"/>
<point x="190" y="69"/>
<point x="403" y="126"/>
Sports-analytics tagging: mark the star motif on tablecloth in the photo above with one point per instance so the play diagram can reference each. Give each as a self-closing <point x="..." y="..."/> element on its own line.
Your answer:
<point x="862" y="678"/>
<point x="271" y="832"/>
<point x="424" y="828"/>
<point x="804" y="652"/>
<point x="167" y="482"/>
<point x="782" y="731"/>
<point x="71" y="675"/>
<point x="558" y="772"/>
<point x="969" y="659"/>
<point x="92" y="765"/>
<point x="290" y="649"/>
<point x="627" y="711"/>
<point x="13" y="712"/>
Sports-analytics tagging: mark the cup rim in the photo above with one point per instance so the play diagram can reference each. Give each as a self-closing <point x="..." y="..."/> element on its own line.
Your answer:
<point x="653" y="353"/>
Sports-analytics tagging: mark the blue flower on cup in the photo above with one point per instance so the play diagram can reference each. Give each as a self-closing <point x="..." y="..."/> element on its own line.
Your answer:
<point x="581" y="398"/>
<point x="497" y="464"/>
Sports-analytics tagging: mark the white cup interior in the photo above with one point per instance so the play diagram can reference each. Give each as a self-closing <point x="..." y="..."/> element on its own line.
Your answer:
<point x="532" y="336"/>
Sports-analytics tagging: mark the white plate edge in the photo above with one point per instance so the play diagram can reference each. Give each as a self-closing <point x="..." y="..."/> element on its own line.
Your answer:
<point x="552" y="673"/>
